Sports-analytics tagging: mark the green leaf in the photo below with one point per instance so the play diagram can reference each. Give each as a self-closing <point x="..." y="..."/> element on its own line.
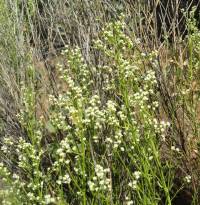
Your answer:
<point x="50" y="127"/>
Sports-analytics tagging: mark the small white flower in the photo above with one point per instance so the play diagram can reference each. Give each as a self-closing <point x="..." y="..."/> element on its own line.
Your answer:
<point x="137" y="174"/>
<point x="133" y="184"/>
<point x="66" y="179"/>
<point x="49" y="199"/>
<point x="130" y="202"/>
<point x="173" y="148"/>
<point x="150" y="158"/>
<point x="188" y="178"/>
<point x="59" y="182"/>
<point x="91" y="185"/>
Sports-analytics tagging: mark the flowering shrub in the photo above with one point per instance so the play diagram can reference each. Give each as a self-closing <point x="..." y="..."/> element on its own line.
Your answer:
<point x="101" y="140"/>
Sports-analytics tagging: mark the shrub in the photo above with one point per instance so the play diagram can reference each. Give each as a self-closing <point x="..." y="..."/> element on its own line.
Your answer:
<point x="121" y="122"/>
<point x="100" y="143"/>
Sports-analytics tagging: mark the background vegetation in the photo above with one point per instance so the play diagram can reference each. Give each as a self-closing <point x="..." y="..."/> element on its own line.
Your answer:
<point x="99" y="102"/>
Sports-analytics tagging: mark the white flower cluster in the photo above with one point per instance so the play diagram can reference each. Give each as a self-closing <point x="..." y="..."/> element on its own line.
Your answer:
<point x="26" y="152"/>
<point x="188" y="179"/>
<point x="130" y="72"/>
<point x="136" y="176"/>
<point x="62" y="154"/>
<point x="5" y="196"/>
<point x="63" y="179"/>
<point x="49" y="199"/>
<point x="58" y="121"/>
<point x="128" y="69"/>
<point x="64" y="148"/>
<point x="62" y="100"/>
<point x="115" y="140"/>
<point x="93" y="114"/>
<point x="161" y="127"/>
<point x="128" y="201"/>
<point x="76" y="64"/>
<point x="176" y="149"/>
<point x="114" y="37"/>
<point x="150" y="79"/>
<point x="8" y="141"/>
<point x="141" y="97"/>
<point x="122" y="114"/>
<point x="111" y="117"/>
<point x="4" y="171"/>
<point x="4" y="149"/>
<point x="100" y="182"/>
<point x="74" y="90"/>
